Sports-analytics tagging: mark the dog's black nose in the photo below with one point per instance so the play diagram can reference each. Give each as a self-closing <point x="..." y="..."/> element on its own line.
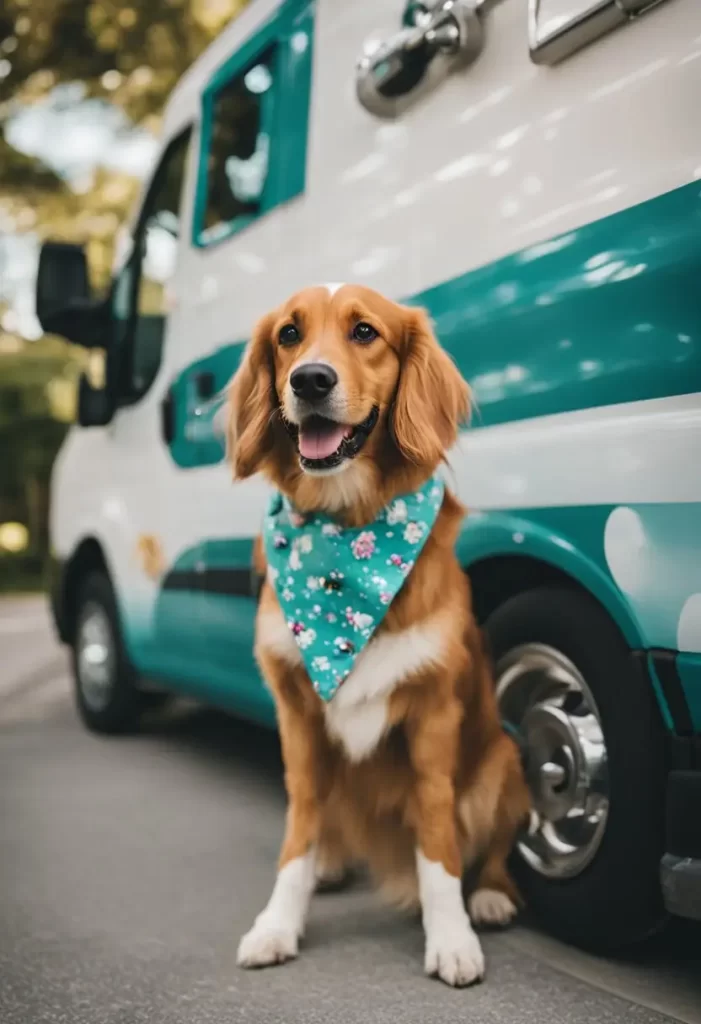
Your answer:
<point x="313" y="381"/>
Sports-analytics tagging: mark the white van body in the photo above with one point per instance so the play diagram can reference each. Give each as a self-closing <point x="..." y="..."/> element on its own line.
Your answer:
<point x="547" y="215"/>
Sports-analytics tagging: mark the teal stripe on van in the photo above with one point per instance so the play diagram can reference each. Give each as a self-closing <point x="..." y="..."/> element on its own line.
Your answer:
<point x="606" y="313"/>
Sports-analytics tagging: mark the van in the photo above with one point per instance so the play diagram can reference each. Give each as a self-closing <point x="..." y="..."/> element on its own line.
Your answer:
<point x="530" y="174"/>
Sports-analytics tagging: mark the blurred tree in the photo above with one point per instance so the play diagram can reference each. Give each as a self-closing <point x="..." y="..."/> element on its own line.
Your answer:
<point x="18" y="171"/>
<point x="37" y="401"/>
<point x="130" y="53"/>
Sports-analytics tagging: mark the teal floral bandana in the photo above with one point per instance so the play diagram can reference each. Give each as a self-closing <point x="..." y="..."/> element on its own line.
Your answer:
<point x="335" y="584"/>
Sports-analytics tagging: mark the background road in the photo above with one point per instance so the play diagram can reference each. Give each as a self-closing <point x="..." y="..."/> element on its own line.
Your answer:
<point x="129" y="868"/>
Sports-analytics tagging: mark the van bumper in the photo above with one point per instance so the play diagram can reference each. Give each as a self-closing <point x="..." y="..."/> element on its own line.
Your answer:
<point x="681" y="866"/>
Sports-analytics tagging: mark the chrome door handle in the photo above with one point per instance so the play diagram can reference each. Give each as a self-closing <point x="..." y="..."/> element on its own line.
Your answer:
<point x="445" y="34"/>
<point x="595" y="19"/>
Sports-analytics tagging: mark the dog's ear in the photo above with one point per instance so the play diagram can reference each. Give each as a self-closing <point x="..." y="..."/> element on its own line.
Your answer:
<point x="432" y="400"/>
<point x="252" y="404"/>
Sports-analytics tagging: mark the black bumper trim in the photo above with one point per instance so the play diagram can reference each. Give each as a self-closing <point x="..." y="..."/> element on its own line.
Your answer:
<point x="234" y="582"/>
<point x="665" y="663"/>
<point x="681" y="886"/>
<point x="684" y="752"/>
<point x="683" y="825"/>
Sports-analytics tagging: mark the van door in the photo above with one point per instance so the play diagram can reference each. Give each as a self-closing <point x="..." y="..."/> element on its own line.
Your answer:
<point x="161" y="551"/>
<point x="252" y="165"/>
<point x="241" y="158"/>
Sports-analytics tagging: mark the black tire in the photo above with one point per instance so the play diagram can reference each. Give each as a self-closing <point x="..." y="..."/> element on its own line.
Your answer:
<point x="155" y="700"/>
<point x="120" y="702"/>
<point x="616" y="899"/>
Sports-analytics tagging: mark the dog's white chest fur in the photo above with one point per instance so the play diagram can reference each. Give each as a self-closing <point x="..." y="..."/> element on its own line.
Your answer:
<point x="357" y="715"/>
<point x="358" y="728"/>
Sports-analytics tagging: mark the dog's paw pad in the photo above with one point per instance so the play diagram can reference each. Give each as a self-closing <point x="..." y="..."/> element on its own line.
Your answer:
<point x="265" y="945"/>
<point x="455" y="957"/>
<point x="489" y="906"/>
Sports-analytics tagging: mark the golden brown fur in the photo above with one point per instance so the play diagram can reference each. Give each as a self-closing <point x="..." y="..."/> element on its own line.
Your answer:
<point x="445" y="778"/>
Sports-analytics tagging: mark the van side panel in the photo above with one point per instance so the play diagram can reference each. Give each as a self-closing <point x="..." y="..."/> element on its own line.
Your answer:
<point x="560" y="262"/>
<point x="571" y="353"/>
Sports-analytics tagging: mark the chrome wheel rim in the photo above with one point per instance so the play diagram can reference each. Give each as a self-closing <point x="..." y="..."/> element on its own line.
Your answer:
<point x="545" y="699"/>
<point x="95" y="656"/>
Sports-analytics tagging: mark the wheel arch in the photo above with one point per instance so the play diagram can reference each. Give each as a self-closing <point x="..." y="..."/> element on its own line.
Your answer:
<point x="507" y="555"/>
<point x="89" y="556"/>
<point x="504" y="555"/>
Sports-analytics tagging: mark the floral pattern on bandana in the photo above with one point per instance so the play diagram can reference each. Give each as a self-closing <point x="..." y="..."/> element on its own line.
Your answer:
<point x="335" y="584"/>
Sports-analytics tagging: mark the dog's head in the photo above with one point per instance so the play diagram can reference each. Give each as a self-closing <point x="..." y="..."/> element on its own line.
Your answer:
<point x="342" y="392"/>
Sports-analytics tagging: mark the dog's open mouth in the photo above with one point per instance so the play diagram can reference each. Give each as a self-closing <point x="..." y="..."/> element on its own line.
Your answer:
<point x="325" y="444"/>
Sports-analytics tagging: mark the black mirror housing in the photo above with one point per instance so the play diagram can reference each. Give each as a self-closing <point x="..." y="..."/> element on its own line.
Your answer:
<point x="64" y="301"/>
<point x="95" y="405"/>
<point x="62" y="277"/>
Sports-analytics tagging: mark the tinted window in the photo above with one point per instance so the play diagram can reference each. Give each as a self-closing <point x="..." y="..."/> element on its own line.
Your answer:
<point x="157" y="249"/>
<point x="239" y="149"/>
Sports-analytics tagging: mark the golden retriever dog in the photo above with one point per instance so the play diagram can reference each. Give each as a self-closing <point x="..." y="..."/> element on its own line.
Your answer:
<point x="346" y="402"/>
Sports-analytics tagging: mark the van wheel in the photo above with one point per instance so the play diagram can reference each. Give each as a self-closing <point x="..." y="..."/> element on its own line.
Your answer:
<point x="107" y="693"/>
<point x="594" y="749"/>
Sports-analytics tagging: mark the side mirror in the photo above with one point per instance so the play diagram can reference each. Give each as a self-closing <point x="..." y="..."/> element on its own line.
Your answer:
<point x="64" y="301"/>
<point x="95" y="405"/>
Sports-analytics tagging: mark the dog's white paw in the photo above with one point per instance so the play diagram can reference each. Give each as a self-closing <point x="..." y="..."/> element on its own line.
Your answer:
<point x="489" y="906"/>
<point x="267" y="943"/>
<point x="455" y="955"/>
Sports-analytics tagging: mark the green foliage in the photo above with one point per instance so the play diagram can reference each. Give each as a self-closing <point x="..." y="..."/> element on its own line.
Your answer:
<point x="27" y="376"/>
<point x="17" y="171"/>
<point x="132" y="53"/>
<point x="33" y="411"/>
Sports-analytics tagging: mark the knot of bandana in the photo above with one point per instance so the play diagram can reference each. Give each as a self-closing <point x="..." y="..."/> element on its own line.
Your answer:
<point x="335" y="584"/>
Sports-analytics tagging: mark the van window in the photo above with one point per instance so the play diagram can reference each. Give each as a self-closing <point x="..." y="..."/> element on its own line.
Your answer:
<point x="239" y="148"/>
<point x="255" y="120"/>
<point x="147" y="279"/>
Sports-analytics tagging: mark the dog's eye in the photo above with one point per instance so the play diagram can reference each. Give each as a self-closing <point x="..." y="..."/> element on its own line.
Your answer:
<point x="289" y="335"/>
<point x="364" y="333"/>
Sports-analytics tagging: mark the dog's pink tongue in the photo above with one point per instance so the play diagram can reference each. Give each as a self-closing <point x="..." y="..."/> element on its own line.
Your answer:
<point x="318" y="442"/>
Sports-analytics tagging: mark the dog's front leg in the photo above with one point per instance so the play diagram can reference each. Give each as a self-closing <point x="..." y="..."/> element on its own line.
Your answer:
<point x="275" y="935"/>
<point x="453" y="951"/>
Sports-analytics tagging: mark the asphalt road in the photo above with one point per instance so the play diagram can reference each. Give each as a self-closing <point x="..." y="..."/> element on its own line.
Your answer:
<point x="129" y="868"/>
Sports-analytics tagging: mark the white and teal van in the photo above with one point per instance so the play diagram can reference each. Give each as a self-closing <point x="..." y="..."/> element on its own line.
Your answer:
<point x="530" y="173"/>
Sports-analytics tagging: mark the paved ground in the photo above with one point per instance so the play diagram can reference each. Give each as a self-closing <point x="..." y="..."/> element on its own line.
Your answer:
<point x="129" y="868"/>
<point x="28" y="647"/>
